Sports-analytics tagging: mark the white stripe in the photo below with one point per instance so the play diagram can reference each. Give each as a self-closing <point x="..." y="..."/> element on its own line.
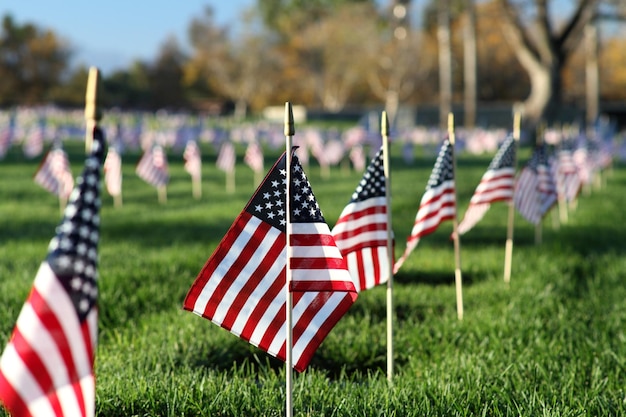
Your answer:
<point x="321" y="275"/>
<point x="38" y="338"/>
<point x="259" y="293"/>
<point x="250" y="265"/>
<point x="368" y="267"/>
<point x="225" y="265"/>
<point x="352" y="224"/>
<point x="353" y="267"/>
<point x="434" y="206"/>
<point x="22" y="381"/>
<point x="63" y="308"/>
<point x="318" y="320"/>
<point x="360" y="238"/>
<point x="316" y="251"/>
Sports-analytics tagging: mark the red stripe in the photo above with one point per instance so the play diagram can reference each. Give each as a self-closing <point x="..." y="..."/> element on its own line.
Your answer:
<point x="356" y="215"/>
<point x="12" y="400"/>
<point x="311" y="239"/>
<point x="253" y="281"/>
<point x="234" y="272"/>
<point x="358" y="255"/>
<point x="273" y="291"/>
<point x="376" y="265"/>
<point x="318" y="263"/>
<point x="364" y="245"/>
<point x="220" y="252"/>
<point x="355" y="231"/>
<point x="55" y="330"/>
<point x="319" y="286"/>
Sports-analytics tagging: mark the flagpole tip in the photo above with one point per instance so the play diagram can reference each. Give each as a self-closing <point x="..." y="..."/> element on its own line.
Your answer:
<point x="289" y="125"/>
<point x="384" y="124"/>
<point x="92" y="112"/>
<point x="451" y="127"/>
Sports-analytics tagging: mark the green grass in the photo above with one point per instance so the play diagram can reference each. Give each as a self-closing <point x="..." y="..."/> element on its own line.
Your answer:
<point x="552" y="343"/>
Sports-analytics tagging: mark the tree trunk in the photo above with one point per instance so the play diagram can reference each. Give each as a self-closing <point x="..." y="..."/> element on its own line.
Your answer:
<point x="445" y="62"/>
<point x="592" y="78"/>
<point x="469" y="65"/>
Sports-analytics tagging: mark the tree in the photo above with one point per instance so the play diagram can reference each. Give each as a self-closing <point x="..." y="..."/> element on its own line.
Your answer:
<point x="32" y="62"/>
<point x="543" y="46"/>
<point x="166" y="77"/>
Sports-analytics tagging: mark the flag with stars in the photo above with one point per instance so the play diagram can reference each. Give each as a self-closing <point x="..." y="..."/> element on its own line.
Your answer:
<point x="153" y="168"/>
<point x="438" y="202"/>
<point x="535" y="189"/>
<point x="54" y="173"/>
<point x="497" y="184"/>
<point x="361" y="231"/>
<point x="242" y="285"/>
<point x="46" y="368"/>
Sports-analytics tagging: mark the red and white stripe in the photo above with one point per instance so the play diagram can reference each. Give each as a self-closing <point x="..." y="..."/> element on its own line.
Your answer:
<point x="113" y="172"/>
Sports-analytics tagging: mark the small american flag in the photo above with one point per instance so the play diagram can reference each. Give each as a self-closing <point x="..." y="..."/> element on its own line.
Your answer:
<point x="33" y="144"/>
<point x="242" y="285"/>
<point x="438" y="202"/>
<point x="153" y="168"/>
<point x="535" y="190"/>
<point x="113" y="172"/>
<point x="361" y="231"/>
<point x="193" y="161"/>
<point x="254" y="156"/>
<point x="226" y="158"/>
<point x="46" y="368"/>
<point x="566" y="173"/>
<point x="54" y="173"/>
<point x="497" y="184"/>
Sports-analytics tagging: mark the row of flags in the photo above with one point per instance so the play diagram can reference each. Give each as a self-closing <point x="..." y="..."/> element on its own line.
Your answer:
<point x="47" y="366"/>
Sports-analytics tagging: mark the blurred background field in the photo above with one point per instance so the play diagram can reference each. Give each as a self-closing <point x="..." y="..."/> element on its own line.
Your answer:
<point x="551" y="343"/>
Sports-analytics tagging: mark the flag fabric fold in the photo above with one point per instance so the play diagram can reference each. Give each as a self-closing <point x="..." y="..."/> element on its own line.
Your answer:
<point x="254" y="156"/>
<point x="242" y="285"/>
<point x="113" y="172"/>
<point x="226" y="158"/>
<point x="535" y="190"/>
<point x="46" y="368"/>
<point x="54" y="173"/>
<point x="153" y="168"/>
<point x="438" y="202"/>
<point x="361" y="230"/>
<point x="497" y="184"/>
<point x="193" y="161"/>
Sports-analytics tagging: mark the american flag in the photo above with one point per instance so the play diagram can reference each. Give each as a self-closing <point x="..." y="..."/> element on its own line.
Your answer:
<point x="54" y="173"/>
<point x="47" y="366"/>
<point x="361" y="231"/>
<point x="33" y="144"/>
<point x="6" y="137"/>
<point x="152" y="167"/>
<point x="438" y="202"/>
<point x="193" y="162"/>
<point x="242" y="285"/>
<point x="535" y="190"/>
<point x="497" y="184"/>
<point x="566" y="174"/>
<point x="226" y="158"/>
<point x="113" y="172"/>
<point x="254" y="156"/>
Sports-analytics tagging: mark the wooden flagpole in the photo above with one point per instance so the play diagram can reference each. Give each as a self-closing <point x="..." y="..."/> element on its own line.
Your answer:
<point x="508" y="249"/>
<point x="196" y="187"/>
<point x="289" y="132"/>
<point x="92" y="114"/>
<point x="458" y="280"/>
<point x="384" y="128"/>
<point x="538" y="226"/>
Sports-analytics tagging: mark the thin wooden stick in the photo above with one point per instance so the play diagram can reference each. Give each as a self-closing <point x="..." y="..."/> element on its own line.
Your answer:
<point x="289" y="132"/>
<point x="458" y="280"/>
<point x="384" y="128"/>
<point x="508" y="249"/>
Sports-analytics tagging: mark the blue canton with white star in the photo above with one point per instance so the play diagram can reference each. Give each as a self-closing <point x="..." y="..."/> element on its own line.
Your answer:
<point x="268" y="203"/>
<point x="373" y="182"/>
<point x="444" y="168"/>
<point x="72" y="253"/>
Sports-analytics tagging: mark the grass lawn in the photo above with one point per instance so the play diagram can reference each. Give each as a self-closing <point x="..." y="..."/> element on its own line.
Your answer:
<point x="552" y="343"/>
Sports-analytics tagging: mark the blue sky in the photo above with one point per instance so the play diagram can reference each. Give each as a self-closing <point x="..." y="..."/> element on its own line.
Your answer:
<point x="112" y="33"/>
